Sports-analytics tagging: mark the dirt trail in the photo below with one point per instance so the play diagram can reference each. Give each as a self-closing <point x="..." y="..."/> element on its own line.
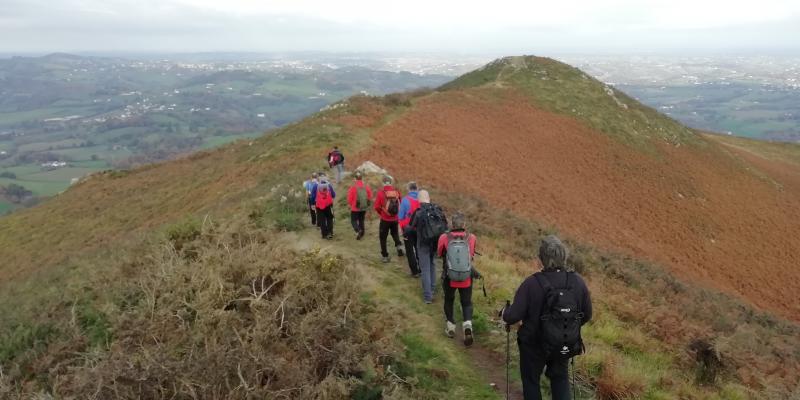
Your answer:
<point x="428" y="322"/>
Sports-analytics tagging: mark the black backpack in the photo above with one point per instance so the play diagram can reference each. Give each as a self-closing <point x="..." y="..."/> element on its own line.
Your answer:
<point x="431" y="222"/>
<point x="561" y="319"/>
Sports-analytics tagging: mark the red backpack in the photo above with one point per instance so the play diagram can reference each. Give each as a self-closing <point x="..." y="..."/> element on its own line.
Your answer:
<point x="324" y="198"/>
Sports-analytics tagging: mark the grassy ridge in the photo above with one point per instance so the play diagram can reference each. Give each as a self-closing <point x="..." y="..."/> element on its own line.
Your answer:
<point x="569" y="91"/>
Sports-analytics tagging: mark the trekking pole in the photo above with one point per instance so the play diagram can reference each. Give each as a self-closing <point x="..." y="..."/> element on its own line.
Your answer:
<point x="508" y="354"/>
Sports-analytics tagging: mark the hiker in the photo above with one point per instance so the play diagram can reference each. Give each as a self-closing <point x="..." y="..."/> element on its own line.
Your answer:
<point x="430" y="223"/>
<point x="552" y="304"/>
<point x="323" y="195"/>
<point x="359" y="197"/>
<point x="457" y="249"/>
<point x="407" y="208"/>
<point x="336" y="160"/>
<point x="308" y="186"/>
<point x="387" y="205"/>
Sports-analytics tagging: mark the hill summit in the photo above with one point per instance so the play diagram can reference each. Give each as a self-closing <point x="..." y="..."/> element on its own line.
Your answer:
<point x="201" y="277"/>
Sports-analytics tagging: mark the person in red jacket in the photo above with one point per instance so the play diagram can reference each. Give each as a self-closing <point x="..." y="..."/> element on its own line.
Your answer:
<point x="464" y="287"/>
<point x="323" y="196"/>
<point x="387" y="205"/>
<point x="359" y="197"/>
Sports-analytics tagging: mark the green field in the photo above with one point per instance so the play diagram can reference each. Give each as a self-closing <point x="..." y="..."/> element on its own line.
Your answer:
<point x="5" y="207"/>
<point x="45" y="146"/>
<point x="38" y="187"/>
<point x="744" y="109"/>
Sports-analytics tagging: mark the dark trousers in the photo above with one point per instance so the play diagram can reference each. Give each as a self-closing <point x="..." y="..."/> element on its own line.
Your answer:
<point x="312" y="212"/>
<point x="357" y="220"/>
<point x="410" y="241"/>
<point x="464" y="294"/>
<point x="384" y="229"/>
<point x="325" y="219"/>
<point x="531" y="365"/>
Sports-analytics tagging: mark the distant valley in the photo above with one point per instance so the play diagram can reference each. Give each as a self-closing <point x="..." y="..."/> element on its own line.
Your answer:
<point x="64" y="116"/>
<point x="751" y="96"/>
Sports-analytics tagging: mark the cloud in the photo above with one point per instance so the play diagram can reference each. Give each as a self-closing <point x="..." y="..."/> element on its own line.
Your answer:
<point x="412" y="25"/>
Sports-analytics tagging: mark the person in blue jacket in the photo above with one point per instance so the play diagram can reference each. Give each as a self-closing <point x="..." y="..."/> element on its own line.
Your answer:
<point x="408" y="205"/>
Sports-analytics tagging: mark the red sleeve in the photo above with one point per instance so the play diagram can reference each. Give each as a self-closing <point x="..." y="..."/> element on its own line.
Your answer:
<point x="351" y="196"/>
<point x="442" y="245"/>
<point x="473" y="241"/>
<point x="379" y="202"/>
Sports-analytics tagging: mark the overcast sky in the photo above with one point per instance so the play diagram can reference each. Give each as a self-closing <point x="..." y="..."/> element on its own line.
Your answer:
<point x="486" y="27"/>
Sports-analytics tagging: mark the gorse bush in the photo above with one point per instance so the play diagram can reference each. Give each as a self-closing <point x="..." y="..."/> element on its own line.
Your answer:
<point x="245" y="318"/>
<point x="183" y="232"/>
<point x="284" y="209"/>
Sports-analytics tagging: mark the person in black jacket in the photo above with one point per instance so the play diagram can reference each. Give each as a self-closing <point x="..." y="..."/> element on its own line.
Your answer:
<point x="527" y="307"/>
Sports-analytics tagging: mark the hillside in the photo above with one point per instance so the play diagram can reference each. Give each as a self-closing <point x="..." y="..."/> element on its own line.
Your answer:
<point x="199" y="277"/>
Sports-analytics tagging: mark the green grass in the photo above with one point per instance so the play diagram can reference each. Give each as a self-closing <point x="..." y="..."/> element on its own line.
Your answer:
<point x="24" y="338"/>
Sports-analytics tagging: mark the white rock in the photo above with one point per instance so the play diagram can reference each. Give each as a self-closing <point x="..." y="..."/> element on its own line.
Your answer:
<point x="369" y="167"/>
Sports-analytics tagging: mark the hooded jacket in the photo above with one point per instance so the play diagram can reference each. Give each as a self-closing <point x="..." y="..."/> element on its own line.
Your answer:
<point x="380" y="200"/>
<point x="407" y="208"/>
<point x="352" y="194"/>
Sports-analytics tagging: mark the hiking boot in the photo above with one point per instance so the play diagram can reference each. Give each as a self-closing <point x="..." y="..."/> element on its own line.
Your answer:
<point x="400" y="252"/>
<point x="450" y="329"/>
<point x="385" y="259"/>
<point x="467" y="333"/>
<point x="359" y="235"/>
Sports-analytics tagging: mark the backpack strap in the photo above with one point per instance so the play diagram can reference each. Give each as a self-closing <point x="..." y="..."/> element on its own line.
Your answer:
<point x="543" y="282"/>
<point x="548" y="287"/>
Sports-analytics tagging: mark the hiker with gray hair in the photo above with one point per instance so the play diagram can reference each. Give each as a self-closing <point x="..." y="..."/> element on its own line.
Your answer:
<point x="552" y="304"/>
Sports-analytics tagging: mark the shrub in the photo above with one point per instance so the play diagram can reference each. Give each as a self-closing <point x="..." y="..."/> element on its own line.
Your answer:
<point x="22" y="338"/>
<point x="245" y="318"/>
<point x="182" y="233"/>
<point x="94" y="325"/>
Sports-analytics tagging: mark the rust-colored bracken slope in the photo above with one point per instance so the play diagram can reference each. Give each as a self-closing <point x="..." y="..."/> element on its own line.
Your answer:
<point x="710" y="213"/>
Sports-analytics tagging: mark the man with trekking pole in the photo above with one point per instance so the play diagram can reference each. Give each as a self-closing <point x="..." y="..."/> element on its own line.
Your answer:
<point x="553" y="304"/>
